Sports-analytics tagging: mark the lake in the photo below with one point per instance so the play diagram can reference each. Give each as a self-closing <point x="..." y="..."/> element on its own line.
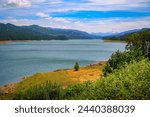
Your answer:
<point x="19" y="59"/>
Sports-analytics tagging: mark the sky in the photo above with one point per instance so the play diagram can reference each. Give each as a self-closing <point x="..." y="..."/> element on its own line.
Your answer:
<point x="107" y="16"/>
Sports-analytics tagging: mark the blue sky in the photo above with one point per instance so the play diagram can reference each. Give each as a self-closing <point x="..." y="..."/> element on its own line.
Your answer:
<point x="87" y="15"/>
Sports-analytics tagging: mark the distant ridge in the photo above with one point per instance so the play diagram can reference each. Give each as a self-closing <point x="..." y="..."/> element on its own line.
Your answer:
<point x="123" y="35"/>
<point x="34" y="32"/>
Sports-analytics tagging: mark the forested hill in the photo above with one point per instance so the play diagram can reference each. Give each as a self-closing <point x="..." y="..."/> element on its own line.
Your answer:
<point x="35" y="32"/>
<point x="124" y="35"/>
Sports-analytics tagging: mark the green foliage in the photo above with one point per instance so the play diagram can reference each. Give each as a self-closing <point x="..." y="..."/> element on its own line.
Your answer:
<point x="140" y="41"/>
<point x="119" y="59"/>
<point x="44" y="91"/>
<point x="76" y="91"/>
<point x="138" y="47"/>
<point x="130" y="82"/>
<point x="76" y="66"/>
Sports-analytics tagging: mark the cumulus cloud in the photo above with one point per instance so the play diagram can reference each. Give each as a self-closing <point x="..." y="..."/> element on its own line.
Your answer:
<point x="15" y="3"/>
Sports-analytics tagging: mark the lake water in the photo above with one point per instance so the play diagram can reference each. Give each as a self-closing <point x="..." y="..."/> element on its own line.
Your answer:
<point x="18" y="59"/>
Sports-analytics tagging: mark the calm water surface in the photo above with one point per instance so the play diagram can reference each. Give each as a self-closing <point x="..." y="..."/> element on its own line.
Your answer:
<point x="18" y="59"/>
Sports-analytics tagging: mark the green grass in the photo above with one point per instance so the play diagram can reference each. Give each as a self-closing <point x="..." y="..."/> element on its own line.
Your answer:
<point x="60" y="77"/>
<point x="45" y="91"/>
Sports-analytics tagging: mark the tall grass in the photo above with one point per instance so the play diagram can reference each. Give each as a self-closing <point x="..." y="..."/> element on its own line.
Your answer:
<point x="45" y="91"/>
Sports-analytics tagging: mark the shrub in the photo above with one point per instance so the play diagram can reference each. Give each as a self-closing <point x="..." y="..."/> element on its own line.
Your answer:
<point x="77" y="91"/>
<point x="76" y="66"/>
<point x="44" y="91"/>
<point x="119" y="59"/>
<point x="129" y="82"/>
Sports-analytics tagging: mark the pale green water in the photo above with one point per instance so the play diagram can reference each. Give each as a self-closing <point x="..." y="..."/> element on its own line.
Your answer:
<point x="18" y="59"/>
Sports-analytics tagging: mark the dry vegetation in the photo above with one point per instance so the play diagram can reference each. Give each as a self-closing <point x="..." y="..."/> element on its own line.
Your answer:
<point x="65" y="78"/>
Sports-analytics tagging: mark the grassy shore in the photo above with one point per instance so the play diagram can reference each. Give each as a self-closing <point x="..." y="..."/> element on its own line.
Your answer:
<point x="64" y="77"/>
<point x="119" y="41"/>
<point x="4" y="42"/>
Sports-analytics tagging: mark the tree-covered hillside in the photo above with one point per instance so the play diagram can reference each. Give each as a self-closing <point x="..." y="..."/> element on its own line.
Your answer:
<point x="124" y="35"/>
<point x="35" y="32"/>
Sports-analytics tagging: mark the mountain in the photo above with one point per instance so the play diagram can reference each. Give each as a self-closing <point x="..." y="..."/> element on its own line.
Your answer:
<point x="116" y="34"/>
<point x="124" y="35"/>
<point x="34" y="32"/>
<point x="103" y="34"/>
<point x="127" y="32"/>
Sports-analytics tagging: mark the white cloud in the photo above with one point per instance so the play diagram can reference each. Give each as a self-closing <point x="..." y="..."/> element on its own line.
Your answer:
<point x="43" y="15"/>
<point x="15" y="3"/>
<point x="52" y="19"/>
<point x="25" y="3"/>
<point x="55" y="2"/>
<point x="62" y="20"/>
<point x="101" y="25"/>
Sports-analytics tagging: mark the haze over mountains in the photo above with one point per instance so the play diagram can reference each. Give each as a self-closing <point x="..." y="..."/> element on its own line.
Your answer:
<point x="120" y="33"/>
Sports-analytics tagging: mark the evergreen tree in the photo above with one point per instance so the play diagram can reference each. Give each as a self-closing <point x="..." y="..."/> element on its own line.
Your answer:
<point x="76" y="66"/>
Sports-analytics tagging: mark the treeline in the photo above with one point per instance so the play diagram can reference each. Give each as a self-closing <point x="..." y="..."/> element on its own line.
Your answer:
<point x="126" y="77"/>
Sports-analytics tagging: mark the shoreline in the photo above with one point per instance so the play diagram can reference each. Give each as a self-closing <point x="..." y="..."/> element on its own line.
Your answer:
<point x="9" y="41"/>
<point x="5" y="42"/>
<point x="10" y="87"/>
<point x="115" y="41"/>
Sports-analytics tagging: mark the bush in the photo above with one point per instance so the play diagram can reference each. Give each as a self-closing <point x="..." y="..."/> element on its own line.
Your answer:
<point x="119" y="59"/>
<point x="131" y="82"/>
<point x="44" y="91"/>
<point x="76" y="66"/>
<point x="77" y="91"/>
